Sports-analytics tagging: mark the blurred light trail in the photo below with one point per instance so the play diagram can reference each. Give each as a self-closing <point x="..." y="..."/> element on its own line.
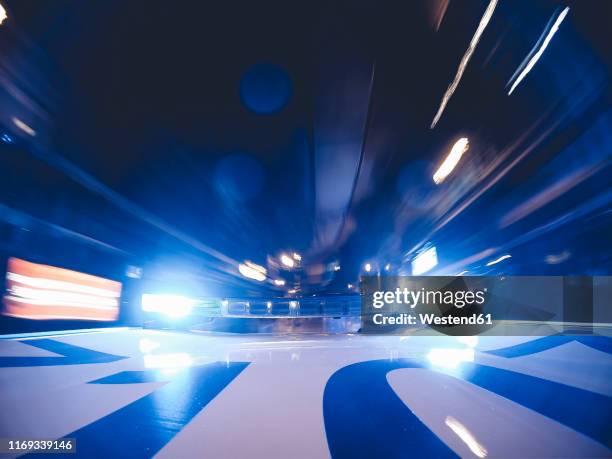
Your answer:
<point x="287" y="260"/>
<point x="502" y="258"/>
<point x="466" y="436"/>
<point x="537" y="51"/>
<point x="484" y="21"/>
<point x="461" y="273"/>
<point x="252" y="271"/>
<point x="451" y="161"/>
<point x="555" y="259"/>
<point x="297" y="256"/>
<point x="279" y="282"/>
<point x="425" y="261"/>
<point x="3" y="15"/>
<point x="37" y="291"/>
<point x="24" y="127"/>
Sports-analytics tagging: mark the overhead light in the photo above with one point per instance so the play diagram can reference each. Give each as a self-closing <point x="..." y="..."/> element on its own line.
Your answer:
<point x="287" y="260"/>
<point x="279" y="282"/>
<point x="24" y="127"/>
<point x="451" y="161"/>
<point x="368" y="267"/>
<point x="502" y="258"/>
<point x="292" y="291"/>
<point x="252" y="271"/>
<point x="537" y="51"/>
<point x="424" y="261"/>
<point x="175" y="306"/>
<point x="388" y="267"/>
<point x="336" y="267"/>
<point x="3" y="15"/>
<point x="293" y="304"/>
<point x="297" y="256"/>
<point x="484" y="21"/>
<point x="349" y="286"/>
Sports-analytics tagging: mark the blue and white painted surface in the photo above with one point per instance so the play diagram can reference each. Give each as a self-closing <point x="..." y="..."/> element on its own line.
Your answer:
<point x="143" y="393"/>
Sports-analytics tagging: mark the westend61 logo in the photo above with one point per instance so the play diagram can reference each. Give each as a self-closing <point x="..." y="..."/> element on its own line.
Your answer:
<point x="444" y="304"/>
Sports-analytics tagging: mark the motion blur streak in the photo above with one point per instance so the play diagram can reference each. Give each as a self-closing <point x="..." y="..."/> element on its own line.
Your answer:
<point x="24" y="127"/>
<point x="36" y="291"/>
<point x="451" y="161"/>
<point x="498" y="260"/>
<point x="287" y="261"/>
<point x="534" y="55"/>
<point x="3" y="15"/>
<point x="549" y="194"/>
<point x="464" y="60"/>
<point x="466" y="436"/>
<point x="252" y="271"/>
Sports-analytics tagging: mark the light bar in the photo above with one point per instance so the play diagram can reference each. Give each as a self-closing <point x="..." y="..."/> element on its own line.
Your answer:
<point x="451" y="161"/>
<point x="175" y="306"/>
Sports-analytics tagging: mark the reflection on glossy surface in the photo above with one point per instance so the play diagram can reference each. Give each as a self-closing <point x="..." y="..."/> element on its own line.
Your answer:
<point x="465" y="435"/>
<point x="194" y="394"/>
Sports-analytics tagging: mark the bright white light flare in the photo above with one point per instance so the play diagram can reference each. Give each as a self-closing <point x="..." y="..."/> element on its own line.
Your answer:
<point x="502" y="258"/>
<point x="175" y="306"/>
<point x="287" y="261"/>
<point x="424" y="261"/>
<point x="3" y="15"/>
<point x="451" y="161"/>
<point x="484" y="21"/>
<point x="451" y="357"/>
<point x="540" y="46"/>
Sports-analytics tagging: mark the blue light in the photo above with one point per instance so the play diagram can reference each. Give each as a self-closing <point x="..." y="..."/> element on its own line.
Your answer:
<point x="6" y="138"/>
<point x="174" y="306"/>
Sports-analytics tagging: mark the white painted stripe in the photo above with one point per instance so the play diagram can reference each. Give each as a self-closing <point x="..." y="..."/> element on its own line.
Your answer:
<point x="493" y="424"/>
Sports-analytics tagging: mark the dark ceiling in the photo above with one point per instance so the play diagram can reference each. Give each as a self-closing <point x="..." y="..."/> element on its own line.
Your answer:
<point x="197" y="135"/>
